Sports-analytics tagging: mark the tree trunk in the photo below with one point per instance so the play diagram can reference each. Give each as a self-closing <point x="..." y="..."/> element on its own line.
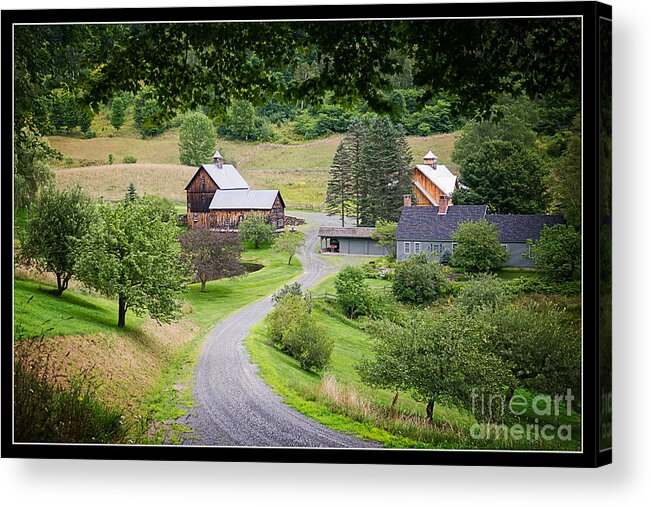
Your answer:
<point x="203" y="285"/>
<point x="430" y="410"/>
<point x="122" y="311"/>
<point x="393" y="405"/>
<point x="62" y="284"/>
<point x="290" y="259"/>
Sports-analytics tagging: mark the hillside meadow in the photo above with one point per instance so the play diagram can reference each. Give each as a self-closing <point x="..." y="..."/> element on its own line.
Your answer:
<point x="299" y="171"/>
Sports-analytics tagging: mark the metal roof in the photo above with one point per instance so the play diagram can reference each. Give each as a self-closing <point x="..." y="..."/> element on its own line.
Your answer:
<point x="429" y="155"/>
<point x="441" y="177"/>
<point x="226" y="177"/>
<point x="346" y="232"/>
<point x="244" y="199"/>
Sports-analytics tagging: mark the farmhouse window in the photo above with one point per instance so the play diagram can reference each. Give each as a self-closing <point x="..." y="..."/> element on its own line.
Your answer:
<point x="407" y="247"/>
<point x="453" y="245"/>
<point x="505" y="246"/>
<point x="281" y="222"/>
<point x="416" y="247"/>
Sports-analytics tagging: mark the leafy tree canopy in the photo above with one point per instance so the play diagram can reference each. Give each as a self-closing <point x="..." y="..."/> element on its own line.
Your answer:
<point x="256" y="230"/>
<point x="196" y="139"/>
<point x="477" y="247"/>
<point x="289" y="243"/>
<point x="557" y="253"/>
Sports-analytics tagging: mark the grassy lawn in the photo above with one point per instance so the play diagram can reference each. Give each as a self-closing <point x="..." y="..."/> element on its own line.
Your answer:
<point x="38" y="312"/>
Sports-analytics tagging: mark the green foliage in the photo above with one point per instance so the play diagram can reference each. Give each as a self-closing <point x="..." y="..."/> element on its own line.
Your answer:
<point x="538" y="344"/>
<point x="524" y="285"/>
<point x="565" y="178"/>
<point x="196" y="139"/>
<point x="435" y="118"/>
<point x="59" y="412"/>
<point x="31" y="170"/>
<point x="293" y="328"/>
<point x="90" y="134"/>
<point x="129" y="159"/>
<point x="57" y="221"/>
<point x="438" y="358"/>
<point x="557" y="253"/>
<point x="507" y="177"/>
<point x="119" y="106"/>
<point x="291" y="289"/>
<point x="147" y="112"/>
<point x="242" y="123"/>
<point x="384" y="171"/>
<point x="484" y="291"/>
<point x="512" y="121"/>
<point x="66" y="113"/>
<point x="256" y="230"/>
<point x="131" y="194"/>
<point x="385" y="235"/>
<point x="477" y="247"/>
<point x="419" y="280"/>
<point x="341" y="185"/>
<point x="132" y="253"/>
<point x="289" y="243"/>
<point x="354" y="297"/>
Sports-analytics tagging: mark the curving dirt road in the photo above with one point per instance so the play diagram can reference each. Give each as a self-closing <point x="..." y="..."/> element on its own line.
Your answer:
<point x="233" y="405"/>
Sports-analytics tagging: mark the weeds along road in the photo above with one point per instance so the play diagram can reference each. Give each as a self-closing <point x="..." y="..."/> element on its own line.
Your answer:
<point x="233" y="405"/>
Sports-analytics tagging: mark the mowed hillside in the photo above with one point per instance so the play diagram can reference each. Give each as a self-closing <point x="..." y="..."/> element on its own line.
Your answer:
<point x="299" y="171"/>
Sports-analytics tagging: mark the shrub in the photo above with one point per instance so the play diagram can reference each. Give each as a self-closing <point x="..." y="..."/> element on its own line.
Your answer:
<point x="292" y="289"/>
<point x="307" y="341"/>
<point x="196" y="139"/>
<point x="354" y="297"/>
<point x="557" y="254"/>
<point x="90" y="134"/>
<point x="524" y="285"/>
<point x="129" y="159"/>
<point x="484" y="291"/>
<point x="478" y="248"/>
<point x="288" y="311"/>
<point x="110" y="159"/>
<point x="419" y="280"/>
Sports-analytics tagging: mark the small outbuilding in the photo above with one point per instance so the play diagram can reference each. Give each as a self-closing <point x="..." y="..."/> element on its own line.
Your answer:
<point x="350" y="240"/>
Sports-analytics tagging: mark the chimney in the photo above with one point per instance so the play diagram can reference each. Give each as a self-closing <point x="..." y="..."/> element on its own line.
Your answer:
<point x="430" y="159"/>
<point x="217" y="159"/>
<point x="406" y="200"/>
<point x="443" y="204"/>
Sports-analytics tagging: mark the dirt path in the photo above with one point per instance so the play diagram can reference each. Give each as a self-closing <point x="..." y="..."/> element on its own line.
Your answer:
<point x="233" y="405"/>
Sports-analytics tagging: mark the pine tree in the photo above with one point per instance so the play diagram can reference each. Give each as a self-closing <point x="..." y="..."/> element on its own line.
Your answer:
<point x="385" y="171"/>
<point x="131" y="194"/>
<point x="340" y="185"/>
<point x="355" y="139"/>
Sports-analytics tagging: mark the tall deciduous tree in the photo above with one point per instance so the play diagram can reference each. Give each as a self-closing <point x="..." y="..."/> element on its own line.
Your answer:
<point x="385" y="235"/>
<point x="340" y="190"/>
<point x="31" y="169"/>
<point x="118" y="110"/>
<point x="477" y="247"/>
<point x="196" y="139"/>
<point x="56" y="223"/>
<point x="506" y="177"/>
<point x="557" y="253"/>
<point x="212" y="255"/>
<point x="289" y="243"/>
<point x="132" y="254"/>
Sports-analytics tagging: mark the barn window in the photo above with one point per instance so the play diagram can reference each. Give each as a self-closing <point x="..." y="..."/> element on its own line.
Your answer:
<point x="195" y="217"/>
<point x="281" y="222"/>
<point x="416" y="247"/>
<point x="203" y="182"/>
<point x="407" y="247"/>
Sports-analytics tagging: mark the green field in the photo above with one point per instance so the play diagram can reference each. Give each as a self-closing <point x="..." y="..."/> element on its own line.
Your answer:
<point x="299" y="171"/>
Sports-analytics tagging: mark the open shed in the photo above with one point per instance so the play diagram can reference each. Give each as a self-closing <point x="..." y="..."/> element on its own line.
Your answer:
<point x="350" y="240"/>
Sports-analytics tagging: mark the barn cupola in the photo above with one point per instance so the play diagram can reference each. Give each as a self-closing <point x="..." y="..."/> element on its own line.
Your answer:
<point x="430" y="159"/>
<point x="217" y="159"/>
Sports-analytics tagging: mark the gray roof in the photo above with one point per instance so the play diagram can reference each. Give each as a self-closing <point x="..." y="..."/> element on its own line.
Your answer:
<point x="346" y="232"/>
<point x="519" y="228"/>
<point x="226" y="177"/>
<point x="424" y="222"/>
<point x="244" y="199"/>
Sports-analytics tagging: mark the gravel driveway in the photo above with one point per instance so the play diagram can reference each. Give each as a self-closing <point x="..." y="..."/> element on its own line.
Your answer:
<point x="233" y="405"/>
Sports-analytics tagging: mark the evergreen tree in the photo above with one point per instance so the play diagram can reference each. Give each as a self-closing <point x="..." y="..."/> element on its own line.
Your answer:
<point x="385" y="172"/>
<point x="340" y="185"/>
<point x="131" y="194"/>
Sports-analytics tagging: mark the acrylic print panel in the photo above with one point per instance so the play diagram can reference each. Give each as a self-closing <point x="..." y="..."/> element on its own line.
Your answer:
<point x="280" y="235"/>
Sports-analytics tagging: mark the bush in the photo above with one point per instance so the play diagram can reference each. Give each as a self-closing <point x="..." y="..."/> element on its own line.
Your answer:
<point x="419" y="280"/>
<point x="557" y="254"/>
<point x="90" y="134"/>
<point x="307" y="341"/>
<point x="256" y="230"/>
<point x="292" y="328"/>
<point x="525" y="285"/>
<point x="292" y="289"/>
<point x="484" y="291"/>
<point x="478" y="248"/>
<point x="129" y="159"/>
<point x="354" y="297"/>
